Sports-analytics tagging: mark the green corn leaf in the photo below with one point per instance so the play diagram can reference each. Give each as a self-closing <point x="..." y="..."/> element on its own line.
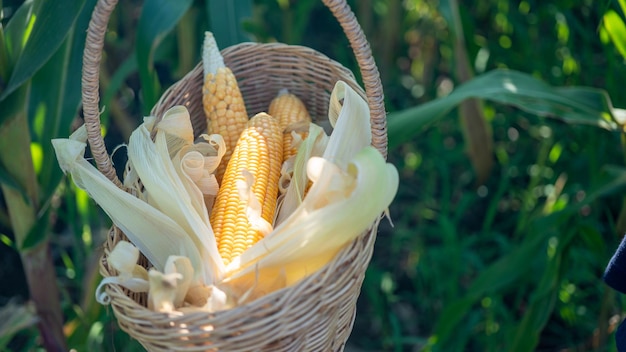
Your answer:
<point x="500" y="274"/>
<point x="509" y="269"/>
<point x="15" y="317"/>
<point x="5" y="62"/>
<point x="574" y="105"/>
<point x="612" y="181"/>
<point x="542" y="300"/>
<point x="622" y="5"/>
<point x="614" y="25"/>
<point x="13" y="109"/>
<point x="46" y="28"/>
<point x="54" y="99"/>
<point x="7" y="179"/>
<point x="158" y="18"/>
<point x="38" y="234"/>
<point x="593" y="240"/>
<point x="16" y="34"/>
<point x="226" y="17"/>
<point x="302" y="18"/>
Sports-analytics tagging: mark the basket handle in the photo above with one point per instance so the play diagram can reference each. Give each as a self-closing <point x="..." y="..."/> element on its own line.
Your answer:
<point x="91" y="86"/>
<point x="91" y="74"/>
<point x="369" y="71"/>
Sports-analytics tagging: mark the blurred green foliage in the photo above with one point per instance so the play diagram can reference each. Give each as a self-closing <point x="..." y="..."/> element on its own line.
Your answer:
<point x="512" y="265"/>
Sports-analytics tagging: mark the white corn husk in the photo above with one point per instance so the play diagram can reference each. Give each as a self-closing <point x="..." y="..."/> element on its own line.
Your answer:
<point x="352" y="187"/>
<point x="173" y="177"/>
<point x="131" y="275"/>
<point x="155" y="234"/>
<point x="173" y="218"/>
<point x="171" y="194"/>
<point x="295" y="172"/>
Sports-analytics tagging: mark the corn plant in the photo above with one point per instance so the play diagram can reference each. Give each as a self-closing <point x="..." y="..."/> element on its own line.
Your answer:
<point x="39" y="95"/>
<point x="512" y="265"/>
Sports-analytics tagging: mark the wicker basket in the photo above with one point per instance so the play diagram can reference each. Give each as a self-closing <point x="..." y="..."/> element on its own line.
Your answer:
<point x="317" y="313"/>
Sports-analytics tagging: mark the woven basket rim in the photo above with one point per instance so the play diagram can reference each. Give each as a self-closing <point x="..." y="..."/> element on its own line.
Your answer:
<point x="279" y="46"/>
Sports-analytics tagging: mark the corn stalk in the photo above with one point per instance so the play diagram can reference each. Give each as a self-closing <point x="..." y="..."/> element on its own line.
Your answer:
<point x="39" y="56"/>
<point x="22" y="205"/>
<point x="476" y="131"/>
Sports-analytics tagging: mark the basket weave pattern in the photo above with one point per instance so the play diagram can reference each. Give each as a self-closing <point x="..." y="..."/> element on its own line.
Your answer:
<point x="315" y="314"/>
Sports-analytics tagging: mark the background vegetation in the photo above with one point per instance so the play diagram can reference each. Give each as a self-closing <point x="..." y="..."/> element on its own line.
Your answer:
<point x="510" y="204"/>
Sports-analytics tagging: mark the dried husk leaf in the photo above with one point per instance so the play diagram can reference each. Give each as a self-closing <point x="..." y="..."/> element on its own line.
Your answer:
<point x="352" y="187"/>
<point x="350" y="120"/>
<point x="123" y="258"/>
<point x="167" y="192"/>
<point x="182" y="266"/>
<point x="313" y="145"/>
<point x="322" y="225"/>
<point x="154" y="233"/>
<point x="163" y="290"/>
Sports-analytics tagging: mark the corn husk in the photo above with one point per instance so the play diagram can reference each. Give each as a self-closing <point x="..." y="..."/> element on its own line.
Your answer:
<point x="352" y="186"/>
<point x="154" y="233"/>
<point x="171" y="216"/>
<point x="321" y="225"/>
<point x="131" y="275"/>
<point x="172" y="179"/>
<point x="294" y="174"/>
<point x="178" y="197"/>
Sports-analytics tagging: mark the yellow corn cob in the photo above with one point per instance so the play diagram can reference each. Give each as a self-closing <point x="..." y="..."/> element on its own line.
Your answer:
<point x="259" y="151"/>
<point x="289" y="110"/>
<point x="223" y="103"/>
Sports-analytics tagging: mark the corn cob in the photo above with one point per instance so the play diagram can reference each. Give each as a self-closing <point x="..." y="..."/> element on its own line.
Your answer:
<point x="290" y="112"/>
<point x="222" y="101"/>
<point x="257" y="154"/>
